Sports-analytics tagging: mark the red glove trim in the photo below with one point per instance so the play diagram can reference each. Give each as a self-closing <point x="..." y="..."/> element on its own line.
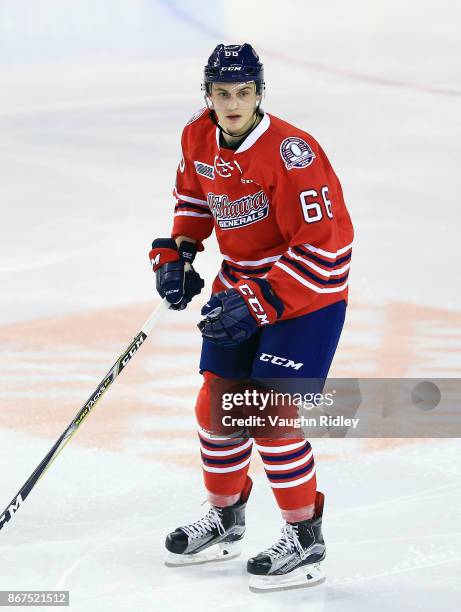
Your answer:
<point x="160" y="256"/>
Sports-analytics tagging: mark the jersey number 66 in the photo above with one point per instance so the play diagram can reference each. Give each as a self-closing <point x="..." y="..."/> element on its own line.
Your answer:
<point x="312" y="210"/>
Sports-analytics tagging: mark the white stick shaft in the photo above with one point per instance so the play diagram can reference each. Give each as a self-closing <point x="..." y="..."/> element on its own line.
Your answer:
<point x="155" y="317"/>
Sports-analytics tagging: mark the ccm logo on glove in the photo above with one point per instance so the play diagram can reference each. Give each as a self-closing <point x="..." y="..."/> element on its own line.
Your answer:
<point x="254" y="303"/>
<point x="232" y="316"/>
<point x="262" y="303"/>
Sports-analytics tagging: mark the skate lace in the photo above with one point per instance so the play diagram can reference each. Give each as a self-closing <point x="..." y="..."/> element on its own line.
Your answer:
<point x="288" y="543"/>
<point x="212" y="519"/>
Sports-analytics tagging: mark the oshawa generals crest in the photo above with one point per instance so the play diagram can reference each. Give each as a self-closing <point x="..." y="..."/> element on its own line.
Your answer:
<point x="238" y="213"/>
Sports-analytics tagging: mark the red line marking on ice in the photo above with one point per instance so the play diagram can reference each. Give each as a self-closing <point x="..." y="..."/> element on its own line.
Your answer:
<point x="183" y="15"/>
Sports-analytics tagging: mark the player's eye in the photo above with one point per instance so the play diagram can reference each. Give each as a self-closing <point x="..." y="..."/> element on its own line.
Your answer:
<point x="223" y="94"/>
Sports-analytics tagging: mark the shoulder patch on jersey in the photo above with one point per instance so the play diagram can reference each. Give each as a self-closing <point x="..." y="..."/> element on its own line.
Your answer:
<point x="204" y="169"/>
<point x="196" y="115"/>
<point x="296" y="153"/>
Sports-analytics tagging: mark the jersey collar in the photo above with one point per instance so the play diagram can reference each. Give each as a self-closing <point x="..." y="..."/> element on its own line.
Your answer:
<point x="252" y="137"/>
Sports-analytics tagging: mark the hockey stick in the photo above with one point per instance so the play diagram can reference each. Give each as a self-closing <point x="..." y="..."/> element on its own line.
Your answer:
<point x="108" y="379"/>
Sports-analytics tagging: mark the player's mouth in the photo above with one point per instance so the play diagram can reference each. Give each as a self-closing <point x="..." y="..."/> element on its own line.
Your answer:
<point x="233" y="118"/>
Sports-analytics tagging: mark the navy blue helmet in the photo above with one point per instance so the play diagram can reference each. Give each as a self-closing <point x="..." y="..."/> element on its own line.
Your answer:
<point x="234" y="64"/>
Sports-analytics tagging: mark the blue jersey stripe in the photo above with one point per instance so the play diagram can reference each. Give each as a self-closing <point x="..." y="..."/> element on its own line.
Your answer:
<point x="228" y="274"/>
<point x="314" y="277"/>
<point x="322" y="262"/>
<point x="299" y="472"/>
<point x="281" y="459"/>
<point x="262" y="270"/>
<point x="185" y="205"/>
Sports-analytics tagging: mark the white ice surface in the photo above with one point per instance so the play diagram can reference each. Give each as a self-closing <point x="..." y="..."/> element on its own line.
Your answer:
<point x="92" y="100"/>
<point x="97" y="524"/>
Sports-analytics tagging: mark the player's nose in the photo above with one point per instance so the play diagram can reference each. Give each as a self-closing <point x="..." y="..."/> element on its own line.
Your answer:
<point x="233" y="103"/>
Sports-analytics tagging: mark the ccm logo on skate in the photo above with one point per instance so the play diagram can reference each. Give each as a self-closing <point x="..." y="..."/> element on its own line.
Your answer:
<point x="12" y="509"/>
<point x="254" y="303"/>
<point x="281" y="361"/>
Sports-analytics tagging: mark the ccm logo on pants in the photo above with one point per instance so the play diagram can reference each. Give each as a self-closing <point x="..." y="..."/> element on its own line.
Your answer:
<point x="281" y="361"/>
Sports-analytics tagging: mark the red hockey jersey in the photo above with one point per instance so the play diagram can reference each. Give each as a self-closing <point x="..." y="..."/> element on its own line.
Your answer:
<point x="276" y="206"/>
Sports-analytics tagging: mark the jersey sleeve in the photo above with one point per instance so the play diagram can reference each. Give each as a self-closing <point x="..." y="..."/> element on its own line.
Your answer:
<point x="314" y="221"/>
<point x="192" y="216"/>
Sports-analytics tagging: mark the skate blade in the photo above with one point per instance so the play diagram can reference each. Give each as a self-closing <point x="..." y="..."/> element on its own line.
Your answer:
<point x="218" y="552"/>
<point x="301" y="577"/>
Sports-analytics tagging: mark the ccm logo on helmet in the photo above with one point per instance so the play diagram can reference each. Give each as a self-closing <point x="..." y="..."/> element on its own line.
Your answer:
<point x="254" y="303"/>
<point x="231" y="68"/>
<point x="281" y="361"/>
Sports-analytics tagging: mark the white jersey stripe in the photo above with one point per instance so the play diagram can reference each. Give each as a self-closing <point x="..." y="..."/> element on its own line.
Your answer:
<point x="306" y="283"/>
<point x="293" y="483"/>
<point x="328" y="254"/>
<point x="280" y="449"/>
<point x="191" y="200"/>
<point x="287" y="466"/>
<point x="224" y="281"/>
<point x="253" y="262"/>
<point x="186" y="213"/>
<point x="321" y="271"/>
<point x="233" y="468"/>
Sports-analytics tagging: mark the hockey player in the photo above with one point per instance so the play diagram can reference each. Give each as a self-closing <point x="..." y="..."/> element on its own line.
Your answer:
<point x="270" y="194"/>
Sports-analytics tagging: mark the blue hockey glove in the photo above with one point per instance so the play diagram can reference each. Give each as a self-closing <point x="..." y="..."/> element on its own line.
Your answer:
<point x="175" y="281"/>
<point x="234" y="315"/>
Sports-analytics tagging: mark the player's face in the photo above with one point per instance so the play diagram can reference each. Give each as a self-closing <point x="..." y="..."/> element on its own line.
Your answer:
<point x="234" y="105"/>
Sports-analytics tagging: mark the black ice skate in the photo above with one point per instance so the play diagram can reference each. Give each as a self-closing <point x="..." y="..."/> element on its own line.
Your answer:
<point x="215" y="537"/>
<point x="293" y="561"/>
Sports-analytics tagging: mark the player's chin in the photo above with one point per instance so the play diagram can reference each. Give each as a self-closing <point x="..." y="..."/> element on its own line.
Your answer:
<point x="234" y="128"/>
